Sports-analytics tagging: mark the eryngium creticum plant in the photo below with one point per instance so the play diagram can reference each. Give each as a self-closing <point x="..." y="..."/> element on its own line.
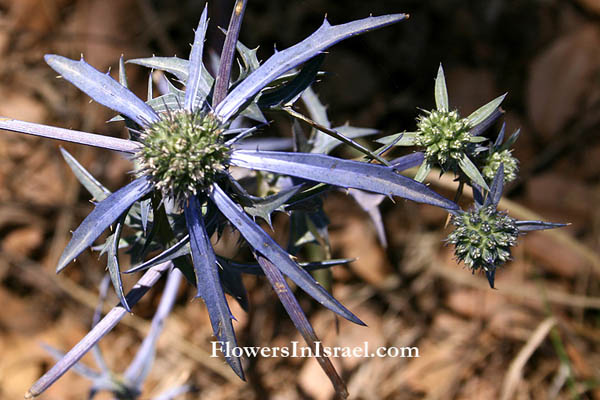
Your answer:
<point x="183" y="147"/>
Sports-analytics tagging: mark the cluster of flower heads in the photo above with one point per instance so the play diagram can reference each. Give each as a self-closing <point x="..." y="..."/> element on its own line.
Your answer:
<point x="483" y="235"/>
<point x="183" y="146"/>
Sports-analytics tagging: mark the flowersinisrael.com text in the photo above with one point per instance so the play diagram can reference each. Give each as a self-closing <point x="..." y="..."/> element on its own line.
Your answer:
<point x="295" y="350"/>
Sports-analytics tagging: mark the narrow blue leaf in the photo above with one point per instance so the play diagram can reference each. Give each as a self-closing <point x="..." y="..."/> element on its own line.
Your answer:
<point x="195" y="67"/>
<point x="292" y="307"/>
<point x="69" y="135"/>
<point x="254" y="269"/>
<point x="181" y="248"/>
<point x="174" y="65"/>
<point x="290" y="90"/>
<point x="96" y="189"/>
<point x="486" y="123"/>
<point x="105" y="213"/>
<point x="263" y="243"/>
<point x="500" y="137"/>
<point x="265" y="144"/>
<point x="511" y="140"/>
<point x="495" y="193"/>
<point x="145" y="207"/>
<point x="408" y="161"/>
<point x="370" y="202"/>
<point x="281" y="62"/>
<point x="338" y="172"/>
<point x="491" y="276"/>
<point x="103" y="89"/>
<point x="528" y="226"/>
<point x="208" y="282"/>
<point x="112" y="263"/>
<point x="477" y="195"/>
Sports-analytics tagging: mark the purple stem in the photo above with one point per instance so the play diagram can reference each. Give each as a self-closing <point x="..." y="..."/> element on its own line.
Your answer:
<point x="292" y="307"/>
<point x="102" y="328"/>
<point x="224" y="73"/>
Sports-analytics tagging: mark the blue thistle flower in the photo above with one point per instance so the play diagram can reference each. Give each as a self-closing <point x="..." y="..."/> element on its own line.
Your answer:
<point x="182" y="160"/>
<point x="483" y="236"/>
<point x="449" y="141"/>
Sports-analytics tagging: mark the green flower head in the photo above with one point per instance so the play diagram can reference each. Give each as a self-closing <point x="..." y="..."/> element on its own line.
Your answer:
<point x="495" y="159"/>
<point x="500" y="153"/>
<point x="447" y="140"/>
<point x="483" y="237"/>
<point x="444" y="135"/>
<point x="183" y="153"/>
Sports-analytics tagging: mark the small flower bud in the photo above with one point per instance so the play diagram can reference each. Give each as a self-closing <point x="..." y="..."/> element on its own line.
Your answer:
<point x="493" y="161"/>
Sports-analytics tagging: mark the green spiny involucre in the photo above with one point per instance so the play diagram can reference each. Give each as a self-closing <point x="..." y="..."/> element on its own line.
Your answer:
<point x="483" y="237"/>
<point x="444" y="135"/>
<point x="183" y="153"/>
<point x="493" y="161"/>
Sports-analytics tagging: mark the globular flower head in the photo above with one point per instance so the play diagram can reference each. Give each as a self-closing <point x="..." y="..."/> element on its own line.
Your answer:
<point x="444" y="135"/>
<point x="495" y="159"/>
<point x="483" y="237"/>
<point x="501" y="154"/>
<point x="183" y="153"/>
<point x="447" y="140"/>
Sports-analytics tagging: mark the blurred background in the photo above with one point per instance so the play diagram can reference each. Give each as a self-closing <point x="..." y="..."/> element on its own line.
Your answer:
<point x="474" y="342"/>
